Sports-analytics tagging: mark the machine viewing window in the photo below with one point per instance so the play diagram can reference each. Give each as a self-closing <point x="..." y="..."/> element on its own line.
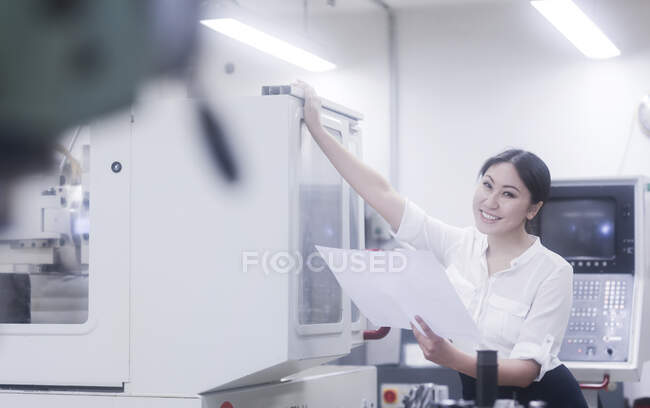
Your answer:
<point x="354" y="229"/>
<point x="580" y="228"/>
<point x="44" y="250"/>
<point x="321" y="222"/>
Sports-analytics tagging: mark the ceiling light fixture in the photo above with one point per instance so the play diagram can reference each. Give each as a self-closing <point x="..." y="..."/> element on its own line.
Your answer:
<point x="577" y="27"/>
<point x="268" y="44"/>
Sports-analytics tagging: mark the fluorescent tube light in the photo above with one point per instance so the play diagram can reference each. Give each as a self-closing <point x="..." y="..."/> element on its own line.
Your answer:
<point x="577" y="27"/>
<point x="268" y="44"/>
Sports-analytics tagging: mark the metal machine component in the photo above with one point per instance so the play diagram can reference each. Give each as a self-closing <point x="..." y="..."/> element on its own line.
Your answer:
<point x="429" y="395"/>
<point x="599" y="227"/>
<point x="486" y="377"/>
<point x="318" y="387"/>
<point x="398" y="395"/>
<point x="411" y="369"/>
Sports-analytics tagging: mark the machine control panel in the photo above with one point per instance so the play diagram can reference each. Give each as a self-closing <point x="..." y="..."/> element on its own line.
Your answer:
<point x="599" y="326"/>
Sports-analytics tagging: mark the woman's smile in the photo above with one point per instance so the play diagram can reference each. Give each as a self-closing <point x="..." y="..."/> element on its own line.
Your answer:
<point x="489" y="218"/>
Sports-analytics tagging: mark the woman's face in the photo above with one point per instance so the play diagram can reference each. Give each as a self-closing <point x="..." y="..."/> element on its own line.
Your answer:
<point x="502" y="201"/>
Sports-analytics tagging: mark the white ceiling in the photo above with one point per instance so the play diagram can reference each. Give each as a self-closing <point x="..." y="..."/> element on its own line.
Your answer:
<point x="625" y="22"/>
<point x="405" y="4"/>
<point x="295" y="7"/>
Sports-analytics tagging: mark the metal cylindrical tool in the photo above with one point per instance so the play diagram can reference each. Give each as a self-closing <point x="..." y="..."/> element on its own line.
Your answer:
<point x="486" y="378"/>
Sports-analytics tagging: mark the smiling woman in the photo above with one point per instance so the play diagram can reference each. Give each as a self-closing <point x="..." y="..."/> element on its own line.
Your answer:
<point x="518" y="292"/>
<point x="513" y="187"/>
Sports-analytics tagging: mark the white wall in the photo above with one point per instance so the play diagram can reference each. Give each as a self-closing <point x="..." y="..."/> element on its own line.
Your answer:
<point x="478" y="78"/>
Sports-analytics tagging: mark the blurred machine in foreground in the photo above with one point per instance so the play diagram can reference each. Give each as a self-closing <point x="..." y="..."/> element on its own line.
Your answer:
<point x="193" y="285"/>
<point x="63" y="63"/>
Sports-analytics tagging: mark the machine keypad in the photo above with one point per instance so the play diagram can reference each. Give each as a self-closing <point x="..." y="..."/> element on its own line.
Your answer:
<point x="586" y="290"/>
<point x="598" y="328"/>
<point x="582" y="326"/>
<point x="614" y="295"/>
<point x="584" y="311"/>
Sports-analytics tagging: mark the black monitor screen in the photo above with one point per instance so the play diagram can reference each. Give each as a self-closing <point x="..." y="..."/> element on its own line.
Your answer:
<point x="579" y="228"/>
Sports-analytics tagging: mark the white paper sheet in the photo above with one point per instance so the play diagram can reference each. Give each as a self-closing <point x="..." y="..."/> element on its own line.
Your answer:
<point x="391" y="287"/>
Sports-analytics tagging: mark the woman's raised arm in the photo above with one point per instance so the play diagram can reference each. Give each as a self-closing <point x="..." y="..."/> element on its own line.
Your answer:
<point x="367" y="182"/>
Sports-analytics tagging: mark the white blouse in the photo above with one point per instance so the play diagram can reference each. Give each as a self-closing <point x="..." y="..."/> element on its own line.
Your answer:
<point x="523" y="311"/>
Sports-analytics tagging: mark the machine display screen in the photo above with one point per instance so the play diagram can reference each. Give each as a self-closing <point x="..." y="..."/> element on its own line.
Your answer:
<point x="580" y="228"/>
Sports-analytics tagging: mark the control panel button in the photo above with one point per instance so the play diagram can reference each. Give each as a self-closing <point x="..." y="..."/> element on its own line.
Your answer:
<point x="390" y="396"/>
<point x="627" y="210"/>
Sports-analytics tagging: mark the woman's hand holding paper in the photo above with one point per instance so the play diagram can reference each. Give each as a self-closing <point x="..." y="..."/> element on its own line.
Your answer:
<point x="435" y="348"/>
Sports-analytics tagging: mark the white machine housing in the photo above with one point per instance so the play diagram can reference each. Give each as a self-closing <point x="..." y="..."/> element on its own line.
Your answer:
<point x="182" y="298"/>
<point x="355" y="387"/>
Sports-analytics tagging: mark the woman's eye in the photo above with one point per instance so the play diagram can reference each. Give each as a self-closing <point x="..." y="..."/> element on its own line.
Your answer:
<point x="508" y="194"/>
<point x="487" y="185"/>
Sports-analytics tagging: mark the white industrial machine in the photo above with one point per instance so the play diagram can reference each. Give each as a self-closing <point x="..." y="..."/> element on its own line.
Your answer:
<point x="600" y="226"/>
<point x="317" y="387"/>
<point x="140" y="275"/>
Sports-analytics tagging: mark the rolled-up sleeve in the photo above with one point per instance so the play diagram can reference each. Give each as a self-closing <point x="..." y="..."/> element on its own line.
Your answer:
<point x="424" y="232"/>
<point x="543" y="329"/>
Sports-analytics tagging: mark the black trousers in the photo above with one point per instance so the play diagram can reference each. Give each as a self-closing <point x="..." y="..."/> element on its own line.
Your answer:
<point x="558" y="388"/>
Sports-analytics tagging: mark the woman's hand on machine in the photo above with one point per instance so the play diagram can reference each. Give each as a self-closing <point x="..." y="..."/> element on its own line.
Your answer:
<point x="435" y="348"/>
<point x="312" y="106"/>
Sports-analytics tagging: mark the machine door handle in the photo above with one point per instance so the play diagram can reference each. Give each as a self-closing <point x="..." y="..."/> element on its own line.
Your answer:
<point x="596" y="386"/>
<point x="380" y="333"/>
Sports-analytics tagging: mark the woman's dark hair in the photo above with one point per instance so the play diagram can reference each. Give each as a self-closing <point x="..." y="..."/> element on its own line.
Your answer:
<point x="531" y="169"/>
